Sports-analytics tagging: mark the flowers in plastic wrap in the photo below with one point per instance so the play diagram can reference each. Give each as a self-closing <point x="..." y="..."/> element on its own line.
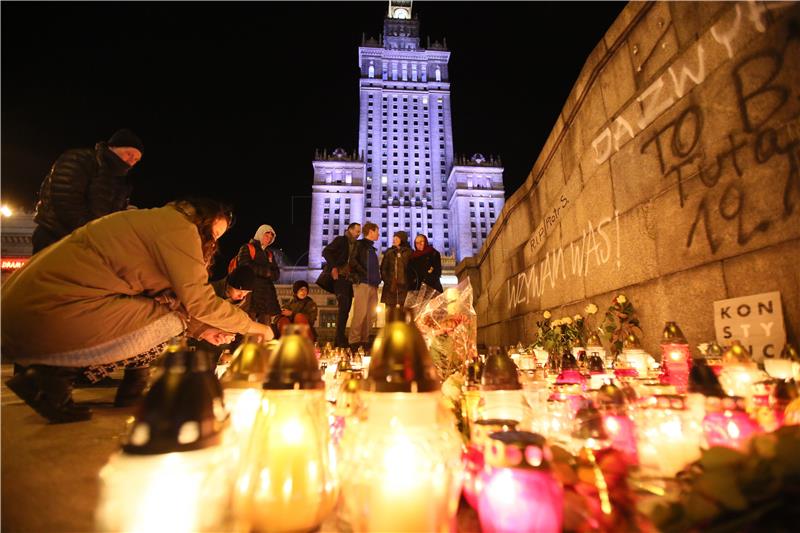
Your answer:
<point x="449" y="326"/>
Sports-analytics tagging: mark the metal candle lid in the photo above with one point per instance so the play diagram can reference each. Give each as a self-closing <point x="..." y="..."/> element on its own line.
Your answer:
<point x="703" y="380"/>
<point x="609" y="395"/>
<point x="631" y="342"/>
<point x="589" y="424"/>
<point x="500" y="373"/>
<point x="672" y="334"/>
<point x="182" y="411"/>
<point x="517" y="449"/>
<point x="401" y="361"/>
<point x="593" y="341"/>
<point x="293" y="365"/>
<point x="736" y="353"/>
<point x="249" y="365"/>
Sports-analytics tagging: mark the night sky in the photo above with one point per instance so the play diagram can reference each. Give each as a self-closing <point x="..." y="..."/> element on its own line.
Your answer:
<point x="232" y="99"/>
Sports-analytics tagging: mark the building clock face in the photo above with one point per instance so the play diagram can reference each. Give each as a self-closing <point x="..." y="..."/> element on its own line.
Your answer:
<point x="401" y="13"/>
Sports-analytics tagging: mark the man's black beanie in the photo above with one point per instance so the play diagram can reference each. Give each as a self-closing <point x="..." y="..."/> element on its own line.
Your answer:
<point x="126" y="137"/>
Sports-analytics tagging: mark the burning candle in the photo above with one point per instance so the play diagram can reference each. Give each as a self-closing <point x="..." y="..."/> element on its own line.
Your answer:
<point x="781" y="367"/>
<point x="473" y="456"/>
<point x="401" y="465"/>
<point x="666" y="439"/>
<point x="518" y="493"/>
<point x="172" y="473"/>
<point x="618" y="425"/>
<point x="288" y="482"/>
<point x="727" y="423"/>
<point x="501" y="391"/>
<point x="676" y="358"/>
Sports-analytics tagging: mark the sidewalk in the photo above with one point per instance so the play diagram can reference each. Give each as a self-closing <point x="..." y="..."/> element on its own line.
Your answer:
<point x="49" y="471"/>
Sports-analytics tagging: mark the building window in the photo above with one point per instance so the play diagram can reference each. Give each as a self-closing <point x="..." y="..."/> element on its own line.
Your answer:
<point x="371" y="72"/>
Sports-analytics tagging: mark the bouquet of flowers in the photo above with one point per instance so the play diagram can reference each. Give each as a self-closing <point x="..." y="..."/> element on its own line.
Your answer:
<point x="559" y="335"/>
<point x="620" y="321"/>
<point x="449" y="326"/>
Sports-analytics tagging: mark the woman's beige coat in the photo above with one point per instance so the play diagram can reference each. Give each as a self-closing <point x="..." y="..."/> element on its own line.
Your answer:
<point x="99" y="283"/>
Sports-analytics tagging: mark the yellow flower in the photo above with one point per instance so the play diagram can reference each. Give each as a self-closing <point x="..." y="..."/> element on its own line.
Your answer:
<point x="577" y="317"/>
<point x="555" y="323"/>
<point x="566" y="320"/>
<point x="621" y="299"/>
<point x="590" y="309"/>
<point x="547" y="314"/>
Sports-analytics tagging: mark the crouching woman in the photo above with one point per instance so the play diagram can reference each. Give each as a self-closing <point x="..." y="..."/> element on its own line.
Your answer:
<point x="111" y="295"/>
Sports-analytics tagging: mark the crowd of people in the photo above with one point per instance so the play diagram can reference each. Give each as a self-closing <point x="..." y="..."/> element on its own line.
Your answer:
<point x="353" y="265"/>
<point x="109" y="285"/>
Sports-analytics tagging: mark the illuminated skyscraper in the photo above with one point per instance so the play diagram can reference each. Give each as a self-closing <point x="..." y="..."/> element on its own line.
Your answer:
<point x="403" y="177"/>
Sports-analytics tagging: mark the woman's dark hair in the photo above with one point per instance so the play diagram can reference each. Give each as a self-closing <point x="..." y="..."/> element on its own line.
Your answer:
<point x="203" y="212"/>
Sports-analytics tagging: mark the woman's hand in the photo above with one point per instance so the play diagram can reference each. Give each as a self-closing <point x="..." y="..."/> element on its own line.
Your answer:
<point x="257" y="328"/>
<point x="286" y="312"/>
<point x="216" y="336"/>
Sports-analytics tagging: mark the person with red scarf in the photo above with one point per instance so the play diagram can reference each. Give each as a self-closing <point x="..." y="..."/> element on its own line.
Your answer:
<point x="425" y="265"/>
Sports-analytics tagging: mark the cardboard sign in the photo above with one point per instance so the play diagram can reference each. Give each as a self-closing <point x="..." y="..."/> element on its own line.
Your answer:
<point x="756" y="321"/>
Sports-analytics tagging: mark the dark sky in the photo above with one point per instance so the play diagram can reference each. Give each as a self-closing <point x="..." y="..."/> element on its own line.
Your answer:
<point x="231" y="99"/>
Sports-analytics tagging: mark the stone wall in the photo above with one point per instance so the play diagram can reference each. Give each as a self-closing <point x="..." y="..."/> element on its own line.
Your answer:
<point x="672" y="176"/>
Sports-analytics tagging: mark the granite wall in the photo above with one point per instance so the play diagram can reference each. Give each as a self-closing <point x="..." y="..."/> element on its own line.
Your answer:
<point x="672" y="176"/>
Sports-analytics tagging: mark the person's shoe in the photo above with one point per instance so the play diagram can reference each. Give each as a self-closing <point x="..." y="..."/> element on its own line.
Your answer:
<point x="48" y="391"/>
<point x="134" y="383"/>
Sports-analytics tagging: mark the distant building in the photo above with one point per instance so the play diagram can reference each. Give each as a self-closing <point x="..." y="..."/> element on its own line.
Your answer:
<point x="403" y="176"/>
<point x="15" y="235"/>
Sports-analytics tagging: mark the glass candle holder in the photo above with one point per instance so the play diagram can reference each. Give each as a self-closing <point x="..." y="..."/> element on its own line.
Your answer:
<point x="676" y="357"/>
<point x="401" y="466"/>
<point x="519" y="494"/>
<point x="727" y="423"/>
<point x="782" y="366"/>
<point x="667" y="439"/>
<point x="288" y="482"/>
<point x="618" y="424"/>
<point x="473" y="455"/>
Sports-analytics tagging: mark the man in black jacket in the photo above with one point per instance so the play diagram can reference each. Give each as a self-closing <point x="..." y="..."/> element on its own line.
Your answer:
<point x="337" y="256"/>
<point x="85" y="184"/>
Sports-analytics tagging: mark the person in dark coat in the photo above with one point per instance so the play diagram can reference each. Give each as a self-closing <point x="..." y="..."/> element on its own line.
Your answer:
<point x="301" y="309"/>
<point x="425" y="265"/>
<point x="365" y="274"/>
<point x="337" y="256"/>
<point x="237" y="287"/>
<point x="394" y="271"/>
<point x="85" y="184"/>
<point x="257" y="255"/>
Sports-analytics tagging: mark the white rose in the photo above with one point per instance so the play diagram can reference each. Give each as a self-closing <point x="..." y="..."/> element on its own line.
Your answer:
<point x="577" y="317"/>
<point x="555" y="323"/>
<point x="590" y="309"/>
<point x="566" y="320"/>
<point x="547" y="314"/>
<point x="621" y="299"/>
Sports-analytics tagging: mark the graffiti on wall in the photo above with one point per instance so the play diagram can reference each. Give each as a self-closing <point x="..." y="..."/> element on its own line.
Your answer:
<point x="758" y="140"/>
<point x="549" y="221"/>
<point x="598" y="245"/>
<point x="681" y="77"/>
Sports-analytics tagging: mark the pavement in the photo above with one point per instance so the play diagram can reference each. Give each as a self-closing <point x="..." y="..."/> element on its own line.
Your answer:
<point x="50" y="471"/>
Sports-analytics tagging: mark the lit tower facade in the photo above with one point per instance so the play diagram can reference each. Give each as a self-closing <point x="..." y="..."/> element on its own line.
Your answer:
<point x="405" y="143"/>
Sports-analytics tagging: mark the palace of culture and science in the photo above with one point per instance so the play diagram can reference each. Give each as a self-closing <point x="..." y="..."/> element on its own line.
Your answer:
<point x="404" y="175"/>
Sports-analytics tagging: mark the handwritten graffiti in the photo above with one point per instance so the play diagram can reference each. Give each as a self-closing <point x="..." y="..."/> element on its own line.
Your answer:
<point x="551" y="218"/>
<point x="760" y="97"/>
<point x="681" y="77"/>
<point x="599" y="243"/>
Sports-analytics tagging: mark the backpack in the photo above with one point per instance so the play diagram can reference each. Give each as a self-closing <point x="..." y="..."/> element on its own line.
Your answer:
<point x="234" y="263"/>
